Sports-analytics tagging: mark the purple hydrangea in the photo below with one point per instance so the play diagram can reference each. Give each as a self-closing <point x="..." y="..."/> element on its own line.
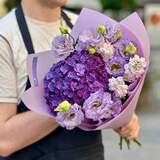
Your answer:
<point x="74" y="79"/>
<point x="80" y="69"/>
<point x="63" y="44"/>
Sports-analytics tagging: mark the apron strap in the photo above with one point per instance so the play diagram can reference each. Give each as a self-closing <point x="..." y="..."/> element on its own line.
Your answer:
<point x="67" y="19"/>
<point x="24" y="30"/>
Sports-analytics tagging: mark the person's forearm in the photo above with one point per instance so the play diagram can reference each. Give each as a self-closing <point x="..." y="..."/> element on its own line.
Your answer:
<point x="24" y="129"/>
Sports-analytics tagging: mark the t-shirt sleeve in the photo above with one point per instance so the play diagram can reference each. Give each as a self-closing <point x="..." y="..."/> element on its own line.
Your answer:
<point x="8" y="87"/>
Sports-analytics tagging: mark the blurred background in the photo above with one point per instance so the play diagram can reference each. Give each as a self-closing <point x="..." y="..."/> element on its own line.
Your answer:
<point x="148" y="107"/>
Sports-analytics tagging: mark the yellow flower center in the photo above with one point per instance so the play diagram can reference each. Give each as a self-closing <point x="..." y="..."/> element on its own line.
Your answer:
<point x="96" y="105"/>
<point x="115" y="67"/>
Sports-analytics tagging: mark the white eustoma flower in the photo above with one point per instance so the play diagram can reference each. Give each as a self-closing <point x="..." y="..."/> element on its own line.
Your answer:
<point x="107" y="51"/>
<point x="118" y="86"/>
<point x="135" y="68"/>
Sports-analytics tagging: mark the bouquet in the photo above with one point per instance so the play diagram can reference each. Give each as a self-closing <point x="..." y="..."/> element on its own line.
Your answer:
<point x="91" y="78"/>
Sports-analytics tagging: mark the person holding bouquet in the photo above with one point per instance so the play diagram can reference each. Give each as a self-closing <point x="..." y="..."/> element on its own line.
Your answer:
<point x="24" y="134"/>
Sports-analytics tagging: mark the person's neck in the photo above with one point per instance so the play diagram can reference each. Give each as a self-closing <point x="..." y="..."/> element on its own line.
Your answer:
<point x="35" y="10"/>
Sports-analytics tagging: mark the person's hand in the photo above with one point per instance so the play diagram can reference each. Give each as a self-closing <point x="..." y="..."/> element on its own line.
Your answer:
<point x="130" y="130"/>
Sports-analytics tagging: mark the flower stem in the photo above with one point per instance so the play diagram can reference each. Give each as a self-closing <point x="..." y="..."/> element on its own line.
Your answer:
<point x="128" y="142"/>
<point x="121" y="143"/>
<point x="137" y="142"/>
<point x="72" y="39"/>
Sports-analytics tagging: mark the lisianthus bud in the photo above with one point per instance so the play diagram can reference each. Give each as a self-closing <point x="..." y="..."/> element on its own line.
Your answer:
<point x="63" y="29"/>
<point x="91" y="50"/>
<point x="101" y="29"/>
<point x="130" y="48"/>
<point x="63" y="107"/>
<point x="118" y="34"/>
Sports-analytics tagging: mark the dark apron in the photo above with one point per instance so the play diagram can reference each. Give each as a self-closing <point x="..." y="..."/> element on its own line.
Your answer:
<point x="60" y="144"/>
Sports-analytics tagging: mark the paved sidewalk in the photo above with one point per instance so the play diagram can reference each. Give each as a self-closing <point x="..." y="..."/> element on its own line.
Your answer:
<point x="150" y="137"/>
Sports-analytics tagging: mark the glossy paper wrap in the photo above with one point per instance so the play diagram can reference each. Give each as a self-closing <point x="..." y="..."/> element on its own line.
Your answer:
<point x="39" y="64"/>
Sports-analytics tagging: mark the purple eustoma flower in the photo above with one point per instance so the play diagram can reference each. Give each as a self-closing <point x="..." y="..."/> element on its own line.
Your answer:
<point x="100" y="106"/>
<point x="115" y="66"/>
<point x="71" y="118"/>
<point x="113" y="33"/>
<point x="63" y="44"/>
<point x="127" y="48"/>
<point x="88" y="38"/>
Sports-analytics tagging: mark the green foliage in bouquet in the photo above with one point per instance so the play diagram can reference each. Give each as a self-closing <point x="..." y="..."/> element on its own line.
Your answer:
<point x="10" y="4"/>
<point x="118" y="5"/>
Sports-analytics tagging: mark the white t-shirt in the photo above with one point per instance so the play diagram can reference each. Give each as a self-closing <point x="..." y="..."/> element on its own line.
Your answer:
<point x="13" y="69"/>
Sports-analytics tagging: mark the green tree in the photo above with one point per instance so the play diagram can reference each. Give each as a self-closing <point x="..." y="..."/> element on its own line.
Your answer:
<point x="11" y="4"/>
<point x="118" y="5"/>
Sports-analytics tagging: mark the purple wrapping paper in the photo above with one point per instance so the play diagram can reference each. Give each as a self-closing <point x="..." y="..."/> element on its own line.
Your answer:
<point x="39" y="64"/>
